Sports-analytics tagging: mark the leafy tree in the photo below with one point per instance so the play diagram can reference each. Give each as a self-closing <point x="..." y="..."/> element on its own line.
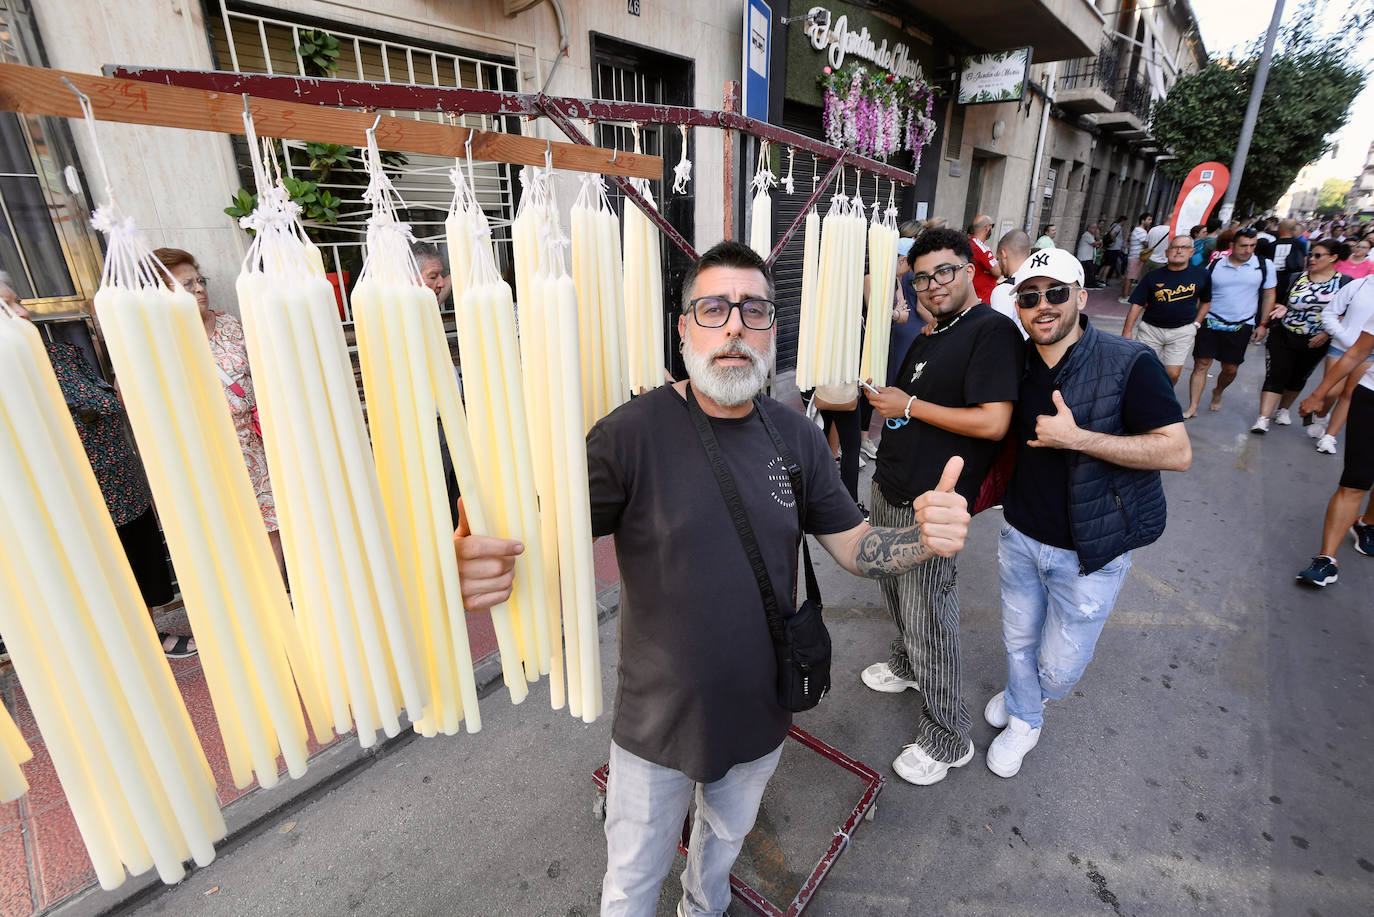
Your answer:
<point x="1313" y="78"/>
<point x="1331" y="198"/>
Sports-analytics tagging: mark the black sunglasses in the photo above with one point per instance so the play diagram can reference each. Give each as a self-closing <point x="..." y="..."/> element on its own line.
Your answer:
<point x="1055" y="296"/>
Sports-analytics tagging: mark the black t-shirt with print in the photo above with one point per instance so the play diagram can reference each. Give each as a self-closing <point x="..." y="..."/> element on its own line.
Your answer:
<point x="1171" y="298"/>
<point x="697" y="675"/>
<point x="1037" y="501"/>
<point x="976" y="359"/>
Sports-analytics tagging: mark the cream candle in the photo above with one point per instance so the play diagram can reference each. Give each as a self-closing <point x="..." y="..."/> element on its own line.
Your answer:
<point x="14" y="751"/>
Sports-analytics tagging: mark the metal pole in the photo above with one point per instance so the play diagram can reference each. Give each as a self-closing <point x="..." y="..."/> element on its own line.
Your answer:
<point x="1247" y="127"/>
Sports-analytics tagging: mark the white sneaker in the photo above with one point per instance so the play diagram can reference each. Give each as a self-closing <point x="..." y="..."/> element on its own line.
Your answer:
<point x="868" y="448"/>
<point x="1316" y="429"/>
<point x="1261" y="425"/>
<point x="1327" y="444"/>
<point x="1010" y="746"/>
<point x="915" y="766"/>
<point x="879" y="677"/>
<point x="1283" y="418"/>
<point x="996" y="711"/>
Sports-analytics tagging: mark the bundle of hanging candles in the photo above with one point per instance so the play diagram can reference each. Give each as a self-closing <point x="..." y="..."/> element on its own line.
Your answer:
<point x="81" y="642"/>
<point x="251" y="650"/>
<point x="600" y="282"/>
<point x="832" y="295"/>
<point x="761" y="205"/>
<point x="529" y="243"/>
<point x="643" y="292"/>
<point x="882" y="272"/>
<point x="552" y="373"/>
<point x="498" y="422"/>
<point x="83" y="647"/>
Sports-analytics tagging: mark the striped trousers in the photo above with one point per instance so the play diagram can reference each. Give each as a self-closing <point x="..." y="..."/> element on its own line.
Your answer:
<point x="924" y="605"/>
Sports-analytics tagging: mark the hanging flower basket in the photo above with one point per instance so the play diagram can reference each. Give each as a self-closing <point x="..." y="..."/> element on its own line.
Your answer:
<point x="876" y="113"/>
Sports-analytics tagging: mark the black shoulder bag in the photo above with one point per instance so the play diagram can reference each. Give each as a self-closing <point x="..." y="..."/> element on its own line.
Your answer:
<point x="801" y="642"/>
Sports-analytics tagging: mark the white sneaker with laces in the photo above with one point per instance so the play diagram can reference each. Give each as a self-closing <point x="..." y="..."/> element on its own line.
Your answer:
<point x="1011" y="746"/>
<point x="879" y="677"/>
<point x="996" y="711"/>
<point x="915" y="766"/>
<point x="1283" y="418"/>
<point x="1316" y="429"/>
<point x="1327" y="444"/>
<point x="868" y="448"/>
<point x="1261" y="425"/>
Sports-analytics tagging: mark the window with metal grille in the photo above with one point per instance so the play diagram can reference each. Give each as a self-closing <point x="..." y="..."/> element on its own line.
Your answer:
<point x="46" y="244"/>
<point x="249" y="40"/>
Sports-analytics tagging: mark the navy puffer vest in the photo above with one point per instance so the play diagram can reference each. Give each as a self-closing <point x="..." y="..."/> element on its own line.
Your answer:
<point x="1112" y="509"/>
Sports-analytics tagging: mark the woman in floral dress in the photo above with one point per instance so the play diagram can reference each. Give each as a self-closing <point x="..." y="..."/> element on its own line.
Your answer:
<point x="231" y="358"/>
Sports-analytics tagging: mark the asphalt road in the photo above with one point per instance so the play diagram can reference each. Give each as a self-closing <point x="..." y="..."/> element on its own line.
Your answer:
<point x="1213" y="760"/>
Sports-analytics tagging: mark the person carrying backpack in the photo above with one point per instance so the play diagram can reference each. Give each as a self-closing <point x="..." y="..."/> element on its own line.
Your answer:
<point x="1242" y="291"/>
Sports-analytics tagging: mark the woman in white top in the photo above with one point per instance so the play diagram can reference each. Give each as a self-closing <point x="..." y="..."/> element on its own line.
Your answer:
<point x="1343" y="318"/>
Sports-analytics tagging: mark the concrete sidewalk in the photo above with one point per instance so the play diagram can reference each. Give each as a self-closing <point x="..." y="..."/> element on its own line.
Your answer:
<point x="1211" y="761"/>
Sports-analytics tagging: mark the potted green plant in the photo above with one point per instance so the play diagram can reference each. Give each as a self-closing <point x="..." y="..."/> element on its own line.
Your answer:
<point x="319" y="52"/>
<point x="330" y="163"/>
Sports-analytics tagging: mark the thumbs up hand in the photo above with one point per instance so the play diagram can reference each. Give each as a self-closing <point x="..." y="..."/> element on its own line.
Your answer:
<point x="1057" y="430"/>
<point x="942" y="514"/>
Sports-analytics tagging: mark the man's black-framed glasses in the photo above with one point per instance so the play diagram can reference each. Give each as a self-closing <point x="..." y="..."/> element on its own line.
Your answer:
<point x="714" y="311"/>
<point x="942" y="276"/>
<point x="1055" y="296"/>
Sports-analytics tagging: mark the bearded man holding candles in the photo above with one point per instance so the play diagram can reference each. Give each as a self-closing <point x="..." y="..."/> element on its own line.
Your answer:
<point x="697" y="708"/>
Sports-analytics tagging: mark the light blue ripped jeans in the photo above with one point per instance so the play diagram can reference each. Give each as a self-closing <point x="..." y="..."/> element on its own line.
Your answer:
<point x="1051" y="619"/>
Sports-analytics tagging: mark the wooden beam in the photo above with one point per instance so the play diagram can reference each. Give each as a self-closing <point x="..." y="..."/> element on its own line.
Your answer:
<point x="39" y="91"/>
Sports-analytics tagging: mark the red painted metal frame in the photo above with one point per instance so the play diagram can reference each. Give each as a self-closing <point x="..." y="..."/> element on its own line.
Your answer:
<point x="801" y="215"/>
<point x="873" y="785"/>
<point x="363" y="94"/>
<point x="563" y="111"/>
<point x="576" y="136"/>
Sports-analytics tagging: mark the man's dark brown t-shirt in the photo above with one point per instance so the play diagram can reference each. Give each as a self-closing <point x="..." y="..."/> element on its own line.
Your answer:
<point x="697" y="675"/>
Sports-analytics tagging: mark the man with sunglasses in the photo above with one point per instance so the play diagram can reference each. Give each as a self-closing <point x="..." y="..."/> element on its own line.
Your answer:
<point x="1095" y="424"/>
<point x="1168" y="305"/>
<point x="1242" y="289"/>
<point x="952" y="397"/>
<point x="696" y="710"/>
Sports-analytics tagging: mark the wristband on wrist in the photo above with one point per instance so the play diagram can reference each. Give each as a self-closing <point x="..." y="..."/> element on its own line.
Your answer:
<point x="907" y="413"/>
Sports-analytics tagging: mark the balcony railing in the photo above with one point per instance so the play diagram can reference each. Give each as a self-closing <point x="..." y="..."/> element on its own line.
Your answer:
<point x="1133" y="95"/>
<point x="1098" y="72"/>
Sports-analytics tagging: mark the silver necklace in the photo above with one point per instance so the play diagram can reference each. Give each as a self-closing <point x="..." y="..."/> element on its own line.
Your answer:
<point x="941" y="329"/>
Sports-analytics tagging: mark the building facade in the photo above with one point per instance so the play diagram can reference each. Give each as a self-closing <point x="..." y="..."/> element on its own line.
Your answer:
<point x="1074" y="146"/>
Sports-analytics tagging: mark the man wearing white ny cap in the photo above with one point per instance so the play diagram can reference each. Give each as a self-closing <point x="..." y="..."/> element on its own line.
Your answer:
<point x="1096" y="421"/>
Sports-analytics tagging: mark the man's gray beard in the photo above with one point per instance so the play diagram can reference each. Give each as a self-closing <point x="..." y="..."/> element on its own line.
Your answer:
<point x="729" y="386"/>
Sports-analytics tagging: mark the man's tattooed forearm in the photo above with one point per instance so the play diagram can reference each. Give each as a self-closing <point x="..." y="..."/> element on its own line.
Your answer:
<point x="890" y="551"/>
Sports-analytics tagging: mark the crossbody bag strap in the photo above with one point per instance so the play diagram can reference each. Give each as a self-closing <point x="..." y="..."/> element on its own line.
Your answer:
<point x="738" y="516"/>
<point x="794" y="473"/>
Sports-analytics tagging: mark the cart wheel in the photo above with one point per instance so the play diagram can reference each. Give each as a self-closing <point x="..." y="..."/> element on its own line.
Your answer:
<point x="599" y="806"/>
<point x="872" y="811"/>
